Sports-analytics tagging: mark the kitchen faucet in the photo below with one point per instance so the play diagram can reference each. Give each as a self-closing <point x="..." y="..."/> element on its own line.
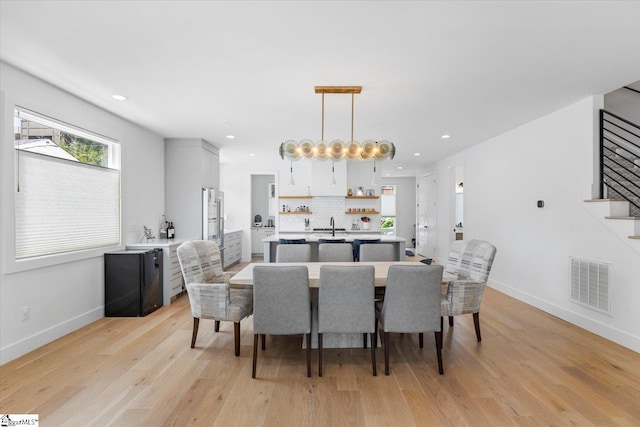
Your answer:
<point x="332" y="222"/>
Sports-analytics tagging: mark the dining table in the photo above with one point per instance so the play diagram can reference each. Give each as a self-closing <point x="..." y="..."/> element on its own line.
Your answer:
<point x="244" y="279"/>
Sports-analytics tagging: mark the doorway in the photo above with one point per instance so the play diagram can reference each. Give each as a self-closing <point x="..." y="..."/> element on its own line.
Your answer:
<point x="426" y="232"/>
<point x="457" y="208"/>
<point x="263" y="210"/>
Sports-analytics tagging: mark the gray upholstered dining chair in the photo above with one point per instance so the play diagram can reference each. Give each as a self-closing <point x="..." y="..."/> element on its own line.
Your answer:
<point x="358" y="242"/>
<point x="335" y="252"/>
<point x="412" y="304"/>
<point x="331" y="240"/>
<point x="346" y="304"/>
<point x="281" y="305"/>
<point x="293" y="253"/>
<point x="471" y="261"/>
<point x="377" y="252"/>
<point x="208" y="288"/>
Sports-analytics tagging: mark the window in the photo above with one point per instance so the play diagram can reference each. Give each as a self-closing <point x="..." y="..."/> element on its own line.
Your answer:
<point x="67" y="194"/>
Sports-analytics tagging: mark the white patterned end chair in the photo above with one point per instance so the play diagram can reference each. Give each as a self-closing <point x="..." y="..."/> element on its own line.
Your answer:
<point x="471" y="261"/>
<point x="208" y="288"/>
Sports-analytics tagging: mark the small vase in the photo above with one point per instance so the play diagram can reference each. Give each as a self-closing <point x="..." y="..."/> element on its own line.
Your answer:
<point x="350" y="193"/>
<point x="365" y="225"/>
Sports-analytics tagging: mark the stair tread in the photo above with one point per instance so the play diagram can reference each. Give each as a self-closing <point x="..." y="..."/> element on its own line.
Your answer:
<point x="623" y="217"/>
<point x="606" y="200"/>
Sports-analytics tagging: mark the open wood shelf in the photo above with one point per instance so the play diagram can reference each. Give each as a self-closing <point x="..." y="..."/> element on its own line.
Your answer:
<point x="362" y="197"/>
<point x="362" y="213"/>
<point x="296" y="213"/>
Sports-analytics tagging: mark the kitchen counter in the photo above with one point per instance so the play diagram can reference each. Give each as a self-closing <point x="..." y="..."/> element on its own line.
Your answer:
<point x="349" y="231"/>
<point x="314" y="236"/>
<point x="270" y="243"/>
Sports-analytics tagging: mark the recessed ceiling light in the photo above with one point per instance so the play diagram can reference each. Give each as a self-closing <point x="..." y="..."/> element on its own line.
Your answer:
<point x="251" y="155"/>
<point x="230" y="137"/>
<point x="446" y="136"/>
<point x="416" y="154"/>
<point x="119" y="97"/>
<point x="387" y="174"/>
<point x="400" y="167"/>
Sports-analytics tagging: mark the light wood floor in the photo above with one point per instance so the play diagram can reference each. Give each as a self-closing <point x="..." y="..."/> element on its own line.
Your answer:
<point x="530" y="369"/>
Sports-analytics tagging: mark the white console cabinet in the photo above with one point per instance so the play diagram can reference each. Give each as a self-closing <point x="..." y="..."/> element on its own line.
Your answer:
<point x="232" y="248"/>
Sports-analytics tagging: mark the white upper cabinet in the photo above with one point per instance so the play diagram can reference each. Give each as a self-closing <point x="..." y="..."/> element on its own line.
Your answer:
<point x="321" y="178"/>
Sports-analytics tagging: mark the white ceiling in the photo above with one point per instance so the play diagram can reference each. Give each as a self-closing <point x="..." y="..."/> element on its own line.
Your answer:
<point x="207" y="69"/>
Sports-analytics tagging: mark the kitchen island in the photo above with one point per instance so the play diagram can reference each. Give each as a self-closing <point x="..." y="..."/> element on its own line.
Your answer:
<point x="271" y="242"/>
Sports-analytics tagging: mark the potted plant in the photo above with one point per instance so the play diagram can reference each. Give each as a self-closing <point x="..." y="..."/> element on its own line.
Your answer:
<point x="365" y="222"/>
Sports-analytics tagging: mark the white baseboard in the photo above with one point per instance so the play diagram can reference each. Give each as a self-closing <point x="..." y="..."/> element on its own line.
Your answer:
<point x="603" y="330"/>
<point x="24" y="346"/>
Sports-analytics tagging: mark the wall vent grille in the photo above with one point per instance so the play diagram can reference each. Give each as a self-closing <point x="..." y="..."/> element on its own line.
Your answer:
<point x="591" y="284"/>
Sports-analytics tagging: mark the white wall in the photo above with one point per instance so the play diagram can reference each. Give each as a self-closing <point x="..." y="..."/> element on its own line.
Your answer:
<point x="235" y="181"/>
<point x="624" y="103"/>
<point x="67" y="296"/>
<point x="548" y="159"/>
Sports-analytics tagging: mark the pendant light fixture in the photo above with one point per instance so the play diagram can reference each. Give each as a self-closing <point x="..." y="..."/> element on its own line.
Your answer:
<point x="338" y="150"/>
<point x="373" y="181"/>
<point x="333" y="173"/>
<point x="291" y="181"/>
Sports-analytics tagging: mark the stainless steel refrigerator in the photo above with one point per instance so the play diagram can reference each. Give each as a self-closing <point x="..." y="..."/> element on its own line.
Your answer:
<point x="213" y="217"/>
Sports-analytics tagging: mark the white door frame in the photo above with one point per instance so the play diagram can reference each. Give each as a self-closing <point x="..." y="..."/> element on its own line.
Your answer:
<point x="426" y="216"/>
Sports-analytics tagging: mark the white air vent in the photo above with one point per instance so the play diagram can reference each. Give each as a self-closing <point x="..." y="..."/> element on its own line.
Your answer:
<point x="590" y="284"/>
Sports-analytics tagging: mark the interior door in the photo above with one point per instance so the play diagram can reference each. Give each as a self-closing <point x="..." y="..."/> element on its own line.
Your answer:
<point x="426" y="233"/>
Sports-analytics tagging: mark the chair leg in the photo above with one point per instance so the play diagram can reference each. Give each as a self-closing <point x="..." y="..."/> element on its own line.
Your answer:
<point x="421" y="339"/>
<point x="386" y="353"/>
<point x="441" y="324"/>
<point x="373" y="355"/>
<point x="476" y="323"/>
<point x="196" y="323"/>
<point x="264" y="339"/>
<point x="450" y="320"/>
<point x="364" y="340"/>
<point x="319" y="353"/>
<point x="439" y="351"/>
<point x="374" y="343"/>
<point x="255" y="355"/>
<point x="236" y="337"/>
<point x="309" y="356"/>
<point x="216" y="326"/>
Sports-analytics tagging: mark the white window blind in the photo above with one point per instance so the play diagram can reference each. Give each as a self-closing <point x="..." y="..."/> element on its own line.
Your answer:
<point x="64" y="205"/>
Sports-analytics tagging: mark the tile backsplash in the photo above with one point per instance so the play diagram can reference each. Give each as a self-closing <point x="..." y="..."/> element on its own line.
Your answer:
<point x="322" y="208"/>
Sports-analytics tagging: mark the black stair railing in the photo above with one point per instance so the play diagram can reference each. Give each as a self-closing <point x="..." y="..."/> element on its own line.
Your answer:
<point x="620" y="159"/>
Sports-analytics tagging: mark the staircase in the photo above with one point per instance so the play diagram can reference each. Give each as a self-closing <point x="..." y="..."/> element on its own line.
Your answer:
<point x="614" y="214"/>
<point x="620" y="160"/>
<point x="619" y="205"/>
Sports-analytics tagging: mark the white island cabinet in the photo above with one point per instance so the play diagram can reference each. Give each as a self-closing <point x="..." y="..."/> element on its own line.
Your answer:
<point x="172" y="280"/>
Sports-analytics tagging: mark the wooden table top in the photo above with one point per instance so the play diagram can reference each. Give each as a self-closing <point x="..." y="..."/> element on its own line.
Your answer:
<point x="245" y="276"/>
